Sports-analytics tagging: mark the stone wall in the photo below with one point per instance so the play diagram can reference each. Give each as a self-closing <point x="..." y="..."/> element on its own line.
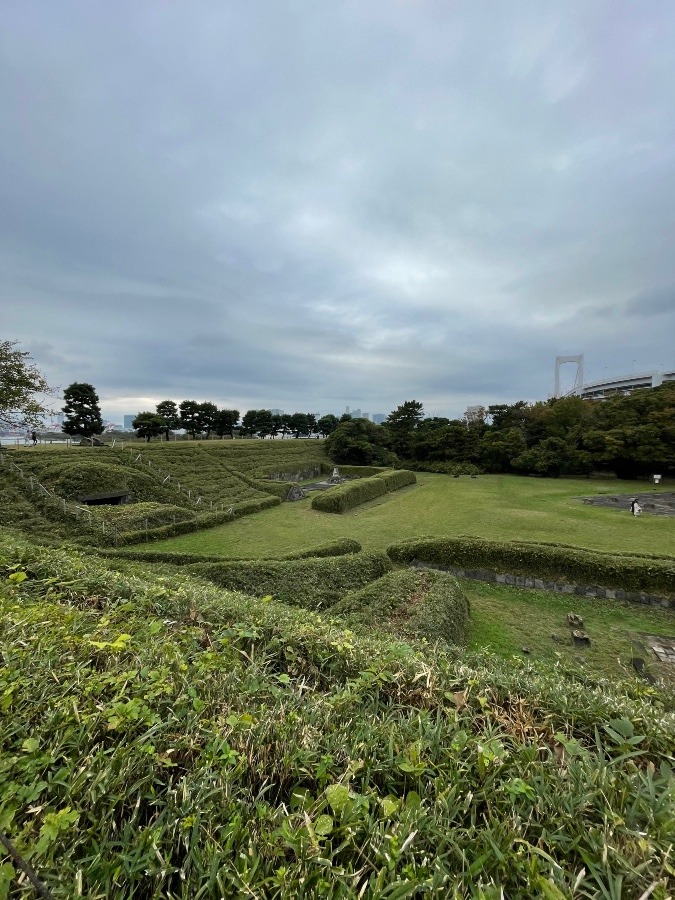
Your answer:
<point x="560" y="587"/>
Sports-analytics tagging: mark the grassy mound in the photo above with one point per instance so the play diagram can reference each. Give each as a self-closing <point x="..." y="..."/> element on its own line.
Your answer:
<point x="311" y="583"/>
<point x="167" y="739"/>
<point x="133" y="516"/>
<point x="427" y="605"/>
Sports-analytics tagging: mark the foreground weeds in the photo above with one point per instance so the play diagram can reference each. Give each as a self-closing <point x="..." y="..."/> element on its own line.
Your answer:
<point x="166" y="739"/>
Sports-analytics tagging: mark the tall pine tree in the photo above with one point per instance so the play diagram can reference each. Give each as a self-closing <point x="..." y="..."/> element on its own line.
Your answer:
<point x="82" y="412"/>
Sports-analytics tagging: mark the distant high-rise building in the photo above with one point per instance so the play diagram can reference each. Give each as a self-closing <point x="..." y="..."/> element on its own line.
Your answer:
<point x="356" y="414"/>
<point x="277" y="412"/>
<point x="365" y="415"/>
<point x="128" y="422"/>
<point x="379" y="418"/>
<point x="347" y="411"/>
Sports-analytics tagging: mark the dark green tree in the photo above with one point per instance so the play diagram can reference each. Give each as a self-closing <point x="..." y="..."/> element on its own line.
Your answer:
<point x="82" y="414"/>
<point x="406" y="417"/>
<point x="148" y="425"/>
<point x="264" y="424"/>
<point x="207" y="417"/>
<point x="401" y="425"/>
<point x="20" y="382"/>
<point x="327" y="424"/>
<point x="277" y="425"/>
<point x="359" y="442"/>
<point x="190" y="417"/>
<point x="249" y="424"/>
<point x="299" y="423"/>
<point x="168" y="410"/>
<point x="497" y="449"/>
<point x="225" y="422"/>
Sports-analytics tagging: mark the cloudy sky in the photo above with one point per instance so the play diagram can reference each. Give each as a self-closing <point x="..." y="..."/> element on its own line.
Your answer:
<point x="309" y="205"/>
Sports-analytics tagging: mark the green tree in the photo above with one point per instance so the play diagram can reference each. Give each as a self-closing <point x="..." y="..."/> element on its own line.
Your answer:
<point x="264" y="424"/>
<point x="406" y="417"/>
<point x="225" y="422"/>
<point x="249" y="424"/>
<point x="277" y="425"/>
<point x="20" y="382"/>
<point x="148" y="425"/>
<point x="168" y="410"/>
<point x="190" y="417"/>
<point x="497" y="449"/>
<point x="82" y="414"/>
<point x="207" y="417"/>
<point x="359" y="442"/>
<point x="327" y="424"/>
<point x="312" y="425"/>
<point x="401" y="424"/>
<point x="299" y="423"/>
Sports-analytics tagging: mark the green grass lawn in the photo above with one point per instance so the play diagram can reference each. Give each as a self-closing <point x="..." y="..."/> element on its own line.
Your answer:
<point x="505" y="620"/>
<point x="498" y="507"/>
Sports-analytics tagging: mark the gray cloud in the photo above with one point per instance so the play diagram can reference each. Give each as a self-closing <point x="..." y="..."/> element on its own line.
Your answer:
<point x="308" y="207"/>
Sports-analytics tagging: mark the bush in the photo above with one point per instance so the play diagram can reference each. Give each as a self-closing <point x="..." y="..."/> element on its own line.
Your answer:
<point x="581" y="567"/>
<point x="347" y="496"/>
<point x="310" y="583"/>
<point x="409" y="603"/>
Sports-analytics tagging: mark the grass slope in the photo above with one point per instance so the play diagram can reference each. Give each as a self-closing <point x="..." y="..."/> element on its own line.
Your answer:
<point x="162" y="738"/>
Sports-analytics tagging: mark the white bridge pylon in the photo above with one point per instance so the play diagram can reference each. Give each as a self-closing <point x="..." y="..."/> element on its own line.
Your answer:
<point x="579" y="379"/>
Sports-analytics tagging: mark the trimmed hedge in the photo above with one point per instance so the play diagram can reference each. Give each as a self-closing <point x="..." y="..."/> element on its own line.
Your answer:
<point x="410" y="603"/>
<point x="341" y="547"/>
<point x="542" y="561"/>
<point x="440" y="467"/>
<point x="207" y="520"/>
<point x="347" y="496"/>
<point x="310" y="583"/>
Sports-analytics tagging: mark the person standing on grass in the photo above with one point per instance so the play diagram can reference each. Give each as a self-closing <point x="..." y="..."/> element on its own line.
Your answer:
<point x="34" y="437"/>
<point x="635" y="507"/>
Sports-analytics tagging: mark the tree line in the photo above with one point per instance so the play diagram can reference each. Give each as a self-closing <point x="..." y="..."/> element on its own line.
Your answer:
<point x="630" y="435"/>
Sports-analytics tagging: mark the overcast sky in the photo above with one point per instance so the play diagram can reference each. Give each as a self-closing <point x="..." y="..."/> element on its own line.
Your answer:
<point x="309" y="205"/>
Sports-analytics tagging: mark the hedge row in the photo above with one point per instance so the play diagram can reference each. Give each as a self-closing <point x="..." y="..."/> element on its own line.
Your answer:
<point x="410" y="603"/>
<point x="441" y="467"/>
<point x="354" y="493"/>
<point x="207" y="520"/>
<point x="341" y="547"/>
<point x="541" y="561"/>
<point x="310" y="583"/>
